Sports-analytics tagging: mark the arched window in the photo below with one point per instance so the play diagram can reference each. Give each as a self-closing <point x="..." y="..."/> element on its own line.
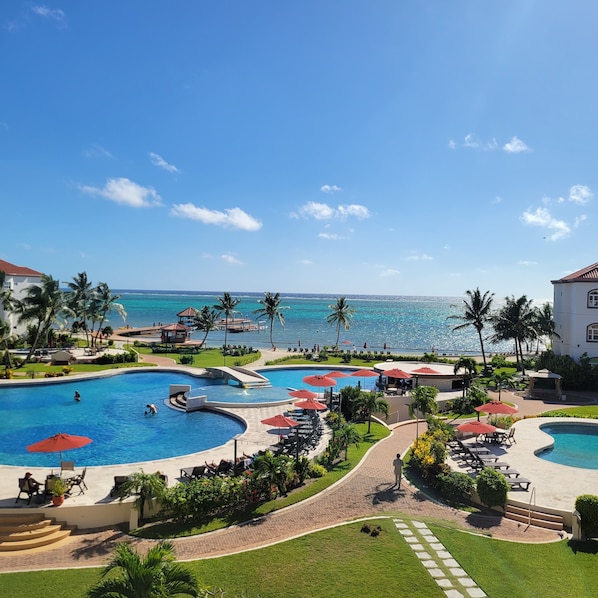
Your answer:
<point x="593" y="298"/>
<point x="592" y="334"/>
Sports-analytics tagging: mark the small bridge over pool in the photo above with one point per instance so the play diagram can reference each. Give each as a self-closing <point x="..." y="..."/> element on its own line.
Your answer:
<point x="243" y="377"/>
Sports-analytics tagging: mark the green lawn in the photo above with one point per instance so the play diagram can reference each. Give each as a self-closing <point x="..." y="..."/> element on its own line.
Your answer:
<point x="346" y="562"/>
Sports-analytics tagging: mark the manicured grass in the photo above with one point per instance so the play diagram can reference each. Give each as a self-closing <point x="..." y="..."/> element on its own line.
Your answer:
<point x="585" y="411"/>
<point x="347" y="563"/>
<point x="311" y="488"/>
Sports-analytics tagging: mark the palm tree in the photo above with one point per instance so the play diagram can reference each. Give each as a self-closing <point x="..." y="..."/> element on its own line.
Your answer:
<point x="544" y="324"/>
<point x="274" y="470"/>
<point x="271" y="311"/>
<point x="154" y="576"/>
<point x="103" y="302"/>
<point x="5" y="339"/>
<point x="368" y="403"/>
<point x="41" y="306"/>
<point x="341" y="316"/>
<point x="205" y="320"/>
<point x="501" y="379"/>
<point x="470" y="368"/>
<point x="515" y="321"/>
<point x="226" y="305"/>
<point x="348" y="434"/>
<point x="80" y="298"/>
<point x="146" y="486"/>
<point x="424" y="401"/>
<point x="476" y="312"/>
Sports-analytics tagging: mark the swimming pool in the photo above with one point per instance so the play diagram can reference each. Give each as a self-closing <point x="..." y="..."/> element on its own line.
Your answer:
<point x="575" y="444"/>
<point x="111" y="413"/>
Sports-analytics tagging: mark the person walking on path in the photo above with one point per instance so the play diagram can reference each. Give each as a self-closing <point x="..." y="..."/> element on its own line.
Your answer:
<point x="398" y="467"/>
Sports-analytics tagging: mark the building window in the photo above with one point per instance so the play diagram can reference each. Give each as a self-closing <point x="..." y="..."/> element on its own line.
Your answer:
<point x="593" y="298"/>
<point x="593" y="333"/>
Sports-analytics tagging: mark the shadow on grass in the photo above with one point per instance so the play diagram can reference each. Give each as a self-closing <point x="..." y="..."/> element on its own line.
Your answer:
<point x="92" y="545"/>
<point x="585" y="546"/>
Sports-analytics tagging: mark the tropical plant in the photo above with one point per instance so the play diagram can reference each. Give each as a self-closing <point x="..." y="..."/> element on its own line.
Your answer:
<point x="424" y="401"/>
<point x="348" y="434"/>
<point x="146" y="486"/>
<point x="301" y="468"/>
<point x="156" y="575"/>
<point x="476" y="313"/>
<point x="348" y="396"/>
<point x="102" y="303"/>
<point x="455" y="486"/>
<point x="470" y="368"/>
<point x="587" y="507"/>
<point x="226" y="305"/>
<point x="341" y="316"/>
<point x="271" y="310"/>
<point x="5" y="339"/>
<point x="515" y="321"/>
<point x="502" y="379"/>
<point x="79" y="299"/>
<point x="544" y="325"/>
<point x="274" y="469"/>
<point x="368" y="403"/>
<point x="205" y="320"/>
<point x="41" y="308"/>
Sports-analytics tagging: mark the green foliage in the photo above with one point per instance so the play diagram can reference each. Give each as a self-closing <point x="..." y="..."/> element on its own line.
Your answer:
<point x="301" y="468"/>
<point x="436" y="423"/>
<point x="587" y="506"/>
<point x="145" y="486"/>
<point x="455" y="486"/>
<point x="316" y="470"/>
<point x="186" y="359"/>
<point x="492" y="487"/>
<point x="109" y="358"/>
<point x="429" y="453"/>
<point x="575" y="375"/>
<point x="500" y="361"/>
<point x="474" y="397"/>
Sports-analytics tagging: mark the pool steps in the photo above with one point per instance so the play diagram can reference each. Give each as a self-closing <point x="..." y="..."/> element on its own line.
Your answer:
<point x="535" y="518"/>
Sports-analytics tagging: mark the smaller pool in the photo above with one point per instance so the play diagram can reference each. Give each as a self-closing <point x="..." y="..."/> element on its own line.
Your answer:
<point x="575" y="445"/>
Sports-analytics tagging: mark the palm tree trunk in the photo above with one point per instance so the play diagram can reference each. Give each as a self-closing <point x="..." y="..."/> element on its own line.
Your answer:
<point x="482" y="347"/>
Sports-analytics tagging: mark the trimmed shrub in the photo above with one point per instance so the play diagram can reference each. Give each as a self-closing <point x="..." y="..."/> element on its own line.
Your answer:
<point x="492" y="487"/>
<point x="455" y="486"/>
<point x="186" y="359"/>
<point x="587" y="506"/>
<point x="316" y="470"/>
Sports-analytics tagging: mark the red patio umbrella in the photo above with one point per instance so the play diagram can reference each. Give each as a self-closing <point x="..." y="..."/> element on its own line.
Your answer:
<point x="496" y="407"/>
<point x="425" y="370"/>
<point x="58" y="443"/>
<point x="396" y="373"/>
<point x="310" y="405"/>
<point x="364" y="373"/>
<point x="337" y="374"/>
<point x="280" y="421"/>
<point x="476" y="427"/>
<point x="303" y="394"/>
<point x="318" y="380"/>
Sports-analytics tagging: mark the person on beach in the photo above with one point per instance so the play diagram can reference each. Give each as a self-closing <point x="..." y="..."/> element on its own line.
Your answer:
<point x="398" y="468"/>
<point x="151" y="409"/>
<point x="77" y="396"/>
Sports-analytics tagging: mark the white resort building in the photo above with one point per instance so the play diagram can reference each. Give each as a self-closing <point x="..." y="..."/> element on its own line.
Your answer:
<point x="575" y="313"/>
<point x="18" y="279"/>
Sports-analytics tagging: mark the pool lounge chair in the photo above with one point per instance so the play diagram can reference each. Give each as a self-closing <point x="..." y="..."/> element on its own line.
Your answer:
<point x="119" y="480"/>
<point x="193" y="473"/>
<point x="519" y="483"/>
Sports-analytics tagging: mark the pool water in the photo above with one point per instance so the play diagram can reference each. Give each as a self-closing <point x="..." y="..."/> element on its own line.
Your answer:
<point x="111" y="413"/>
<point x="575" y="445"/>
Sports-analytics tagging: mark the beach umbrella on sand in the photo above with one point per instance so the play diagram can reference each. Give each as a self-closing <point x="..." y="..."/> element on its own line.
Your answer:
<point x="476" y="427"/>
<point x="310" y="405"/>
<point x="303" y="393"/>
<point x="58" y="443"/>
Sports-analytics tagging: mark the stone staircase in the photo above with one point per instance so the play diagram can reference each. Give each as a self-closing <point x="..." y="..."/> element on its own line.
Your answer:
<point x="30" y="530"/>
<point x="536" y="518"/>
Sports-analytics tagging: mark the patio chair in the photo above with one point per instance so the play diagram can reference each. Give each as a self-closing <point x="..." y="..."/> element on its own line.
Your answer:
<point x="67" y="466"/>
<point x="79" y="481"/>
<point x="119" y="480"/>
<point x="24" y="487"/>
<point x="193" y="473"/>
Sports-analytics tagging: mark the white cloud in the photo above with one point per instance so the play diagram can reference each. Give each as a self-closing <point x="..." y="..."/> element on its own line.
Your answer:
<point x="579" y="220"/>
<point x="125" y="192"/>
<point x="579" y="194"/>
<point x="527" y="263"/>
<point x="229" y="218"/>
<point x="322" y="211"/>
<point x="97" y="151"/>
<point x="330" y="188"/>
<point x="497" y="200"/>
<point x="389" y="272"/>
<point x="452" y="145"/>
<point x="469" y="141"/>
<point x="158" y="160"/>
<point x="230" y="259"/>
<point x="330" y="236"/>
<point x="56" y="14"/>
<point x="515" y="146"/>
<point x="419" y="257"/>
<point x="306" y="262"/>
<point x="544" y="219"/>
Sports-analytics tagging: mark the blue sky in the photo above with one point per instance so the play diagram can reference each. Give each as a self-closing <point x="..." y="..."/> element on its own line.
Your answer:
<point x="333" y="146"/>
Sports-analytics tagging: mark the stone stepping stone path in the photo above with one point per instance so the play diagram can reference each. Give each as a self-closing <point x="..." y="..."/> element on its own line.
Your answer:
<point x="438" y="561"/>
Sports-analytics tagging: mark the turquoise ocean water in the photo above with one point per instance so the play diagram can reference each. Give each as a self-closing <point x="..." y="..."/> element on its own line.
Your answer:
<point x="405" y="324"/>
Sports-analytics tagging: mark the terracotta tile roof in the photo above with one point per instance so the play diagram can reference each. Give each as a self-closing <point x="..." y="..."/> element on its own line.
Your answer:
<point x="587" y="274"/>
<point x="13" y="270"/>
<point x="187" y="313"/>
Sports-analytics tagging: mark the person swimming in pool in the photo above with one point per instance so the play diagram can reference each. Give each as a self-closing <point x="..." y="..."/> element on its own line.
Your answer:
<point x="151" y="409"/>
<point x="77" y="396"/>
